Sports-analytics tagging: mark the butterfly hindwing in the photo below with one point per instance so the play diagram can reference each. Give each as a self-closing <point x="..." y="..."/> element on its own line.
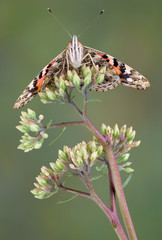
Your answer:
<point x="117" y="73"/>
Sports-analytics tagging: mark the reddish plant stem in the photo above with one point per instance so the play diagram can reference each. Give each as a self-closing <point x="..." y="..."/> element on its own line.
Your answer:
<point x="112" y="216"/>
<point x="116" y="180"/>
<point x="67" y="124"/>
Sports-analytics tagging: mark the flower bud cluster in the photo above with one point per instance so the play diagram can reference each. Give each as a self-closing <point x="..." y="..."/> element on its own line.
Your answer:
<point x="85" y="77"/>
<point x="122" y="140"/>
<point x="29" y="123"/>
<point x="69" y="160"/>
<point x="48" y="183"/>
<point x="82" y="155"/>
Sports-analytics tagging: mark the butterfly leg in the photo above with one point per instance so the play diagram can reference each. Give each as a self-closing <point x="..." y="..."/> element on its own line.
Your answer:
<point x="89" y="55"/>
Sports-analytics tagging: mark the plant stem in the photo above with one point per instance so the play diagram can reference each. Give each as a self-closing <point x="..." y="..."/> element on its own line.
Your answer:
<point x="67" y="124"/>
<point x="112" y="216"/>
<point x="80" y="193"/>
<point x="119" y="192"/>
<point x="116" y="180"/>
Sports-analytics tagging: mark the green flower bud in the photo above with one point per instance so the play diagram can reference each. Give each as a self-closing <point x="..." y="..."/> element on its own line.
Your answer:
<point x="83" y="67"/>
<point x="99" y="149"/>
<point x="85" y="155"/>
<point x="34" y="127"/>
<point x="62" y="83"/>
<point x="91" y="146"/>
<point x="124" y="157"/>
<point x="41" y="180"/>
<point x="109" y="130"/>
<point x="56" y="82"/>
<point x="53" y="166"/>
<point x="100" y="78"/>
<point x="59" y="164"/>
<point x="50" y="94"/>
<point x="61" y="92"/>
<point x="88" y="79"/>
<point x="131" y="136"/>
<point x="41" y="117"/>
<point x="43" y="96"/>
<point x="45" y="135"/>
<point x="129" y="131"/>
<point x="31" y="114"/>
<point x="93" y="156"/>
<point x="46" y="172"/>
<point x="62" y="155"/>
<point x="37" y="145"/>
<point x="136" y="143"/>
<point x="86" y="71"/>
<point x="116" y="131"/>
<point x="69" y="75"/>
<point x="76" y="80"/>
<point x="123" y="129"/>
<point x="22" y="128"/>
<point x="44" y="101"/>
<point x="103" y="129"/>
<point x="24" y="114"/>
<point x="129" y="170"/>
<point x="79" y="161"/>
<point x="127" y="164"/>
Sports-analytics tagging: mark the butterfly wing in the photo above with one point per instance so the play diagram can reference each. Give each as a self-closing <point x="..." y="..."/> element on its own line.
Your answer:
<point x="117" y="73"/>
<point x="41" y="80"/>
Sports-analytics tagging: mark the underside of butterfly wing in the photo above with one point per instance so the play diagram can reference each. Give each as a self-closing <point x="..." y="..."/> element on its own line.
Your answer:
<point x="117" y="73"/>
<point x="45" y="76"/>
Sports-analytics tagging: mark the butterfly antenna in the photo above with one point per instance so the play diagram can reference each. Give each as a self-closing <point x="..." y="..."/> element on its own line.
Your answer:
<point x="59" y="22"/>
<point x="91" y="23"/>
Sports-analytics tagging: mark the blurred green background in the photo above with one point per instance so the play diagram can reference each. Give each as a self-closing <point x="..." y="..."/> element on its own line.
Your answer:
<point x="30" y="38"/>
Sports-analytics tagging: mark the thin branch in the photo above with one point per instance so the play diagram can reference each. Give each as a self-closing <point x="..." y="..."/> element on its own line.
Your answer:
<point x="67" y="124"/>
<point x="80" y="193"/>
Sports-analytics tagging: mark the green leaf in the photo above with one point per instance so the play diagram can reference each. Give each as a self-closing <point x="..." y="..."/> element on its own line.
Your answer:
<point x="68" y="199"/>
<point x="93" y="100"/>
<point x="127" y="180"/>
<point x="48" y="124"/>
<point x="57" y="137"/>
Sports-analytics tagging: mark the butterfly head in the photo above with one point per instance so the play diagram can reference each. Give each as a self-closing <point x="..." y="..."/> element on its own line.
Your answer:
<point x="75" y="52"/>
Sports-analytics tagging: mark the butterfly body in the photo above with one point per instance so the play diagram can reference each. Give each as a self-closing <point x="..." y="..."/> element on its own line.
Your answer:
<point x="117" y="73"/>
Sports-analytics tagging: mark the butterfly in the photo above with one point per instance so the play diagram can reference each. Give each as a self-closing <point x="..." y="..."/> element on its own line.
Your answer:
<point x="73" y="57"/>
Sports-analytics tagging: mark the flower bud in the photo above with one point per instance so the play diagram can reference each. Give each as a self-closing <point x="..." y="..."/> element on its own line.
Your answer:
<point x="88" y="79"/>
<point x="129" y="170"/>
<point x="116" y="131"/>
<point x="129" y="131"/>
<point x="123" y="158"/>
<point x="24" y="114"/>
<point x="61" y="92"/>
<point x="136" y="144"/>
<point x="22" y="128"/>
<point x="69" y="75"/>
<point x="103" y="129"/>
<point x="31" y="114"/>
<point x="50" y="94"/>
<point x="41" y="180"/>
<point x="34" y="127"/>
<point x="93" y="156"/>
<point x="131" y="136"/>
<point x="59" y="164"/>
<point x="38" y="145"/>
<point x="86" y="71"/>
<point x="100" y="78"/>
<point x="76" y="79"/>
